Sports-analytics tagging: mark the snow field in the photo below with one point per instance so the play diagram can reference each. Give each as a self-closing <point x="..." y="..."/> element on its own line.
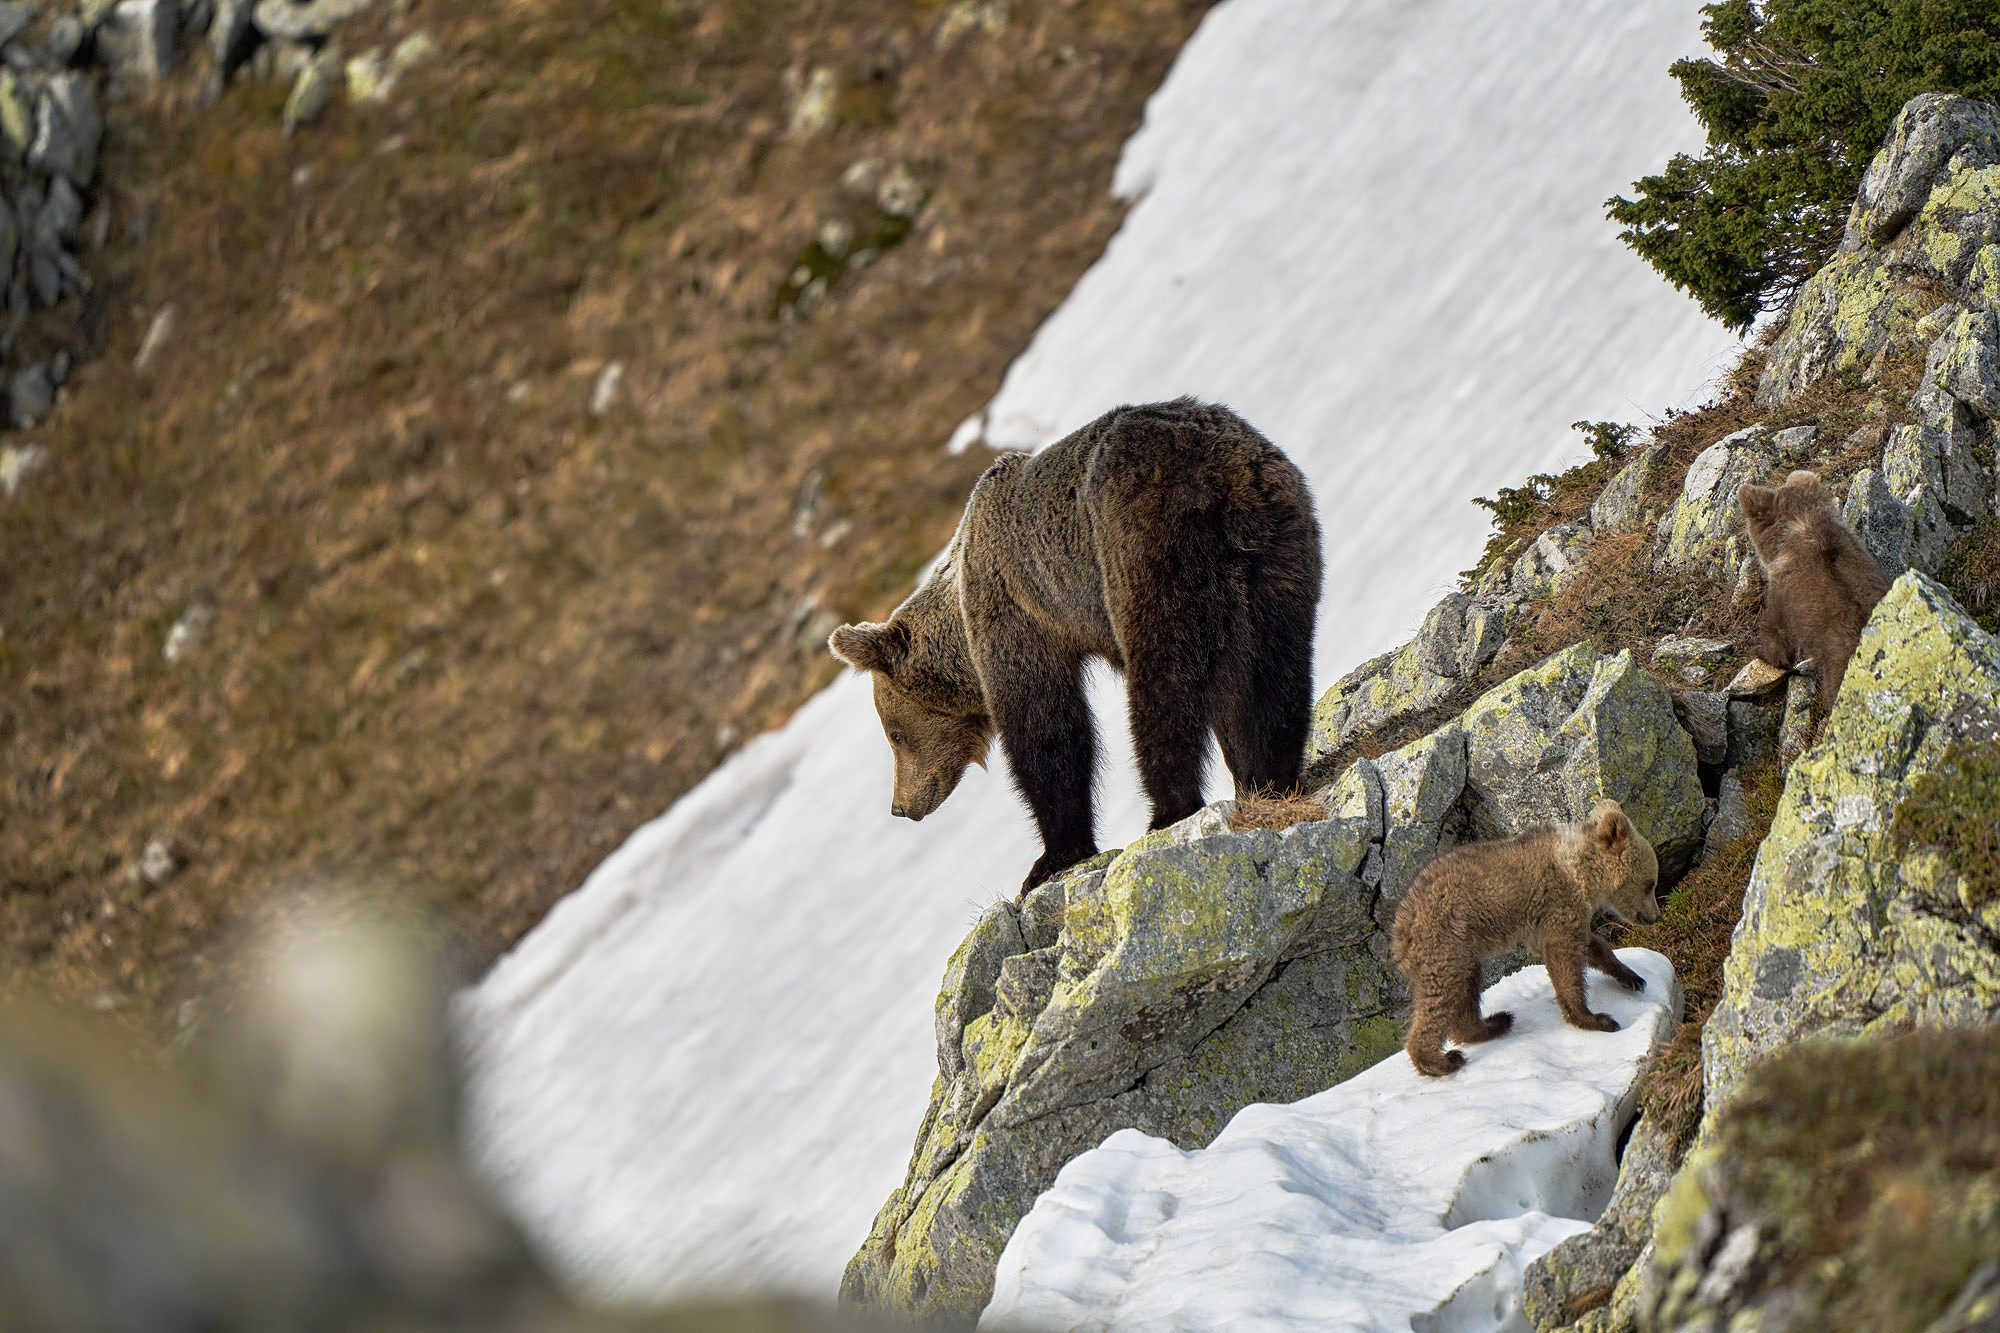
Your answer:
<point x="1392" y="1201"/>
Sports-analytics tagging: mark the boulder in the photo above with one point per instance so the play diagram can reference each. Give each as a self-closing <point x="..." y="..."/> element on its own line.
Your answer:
<point x="1925" y="219"/>
<point x="1842" y="931"/>
<point x="136" y="37"/>
<point x="1548" y="563"/>
<point x="1703" y="530"/>
<point x="1421" y="786"/>
<point x="1545" y="746"/>
<point x="1618" y="507"/>
<point x="68" y="129"/>
<point x="1198" y="971"/>
<point x="1459" y="635"/>
<point x="1880" y="520"/>
<point x="293" y="21"/>
<point x="1692" y="661"/>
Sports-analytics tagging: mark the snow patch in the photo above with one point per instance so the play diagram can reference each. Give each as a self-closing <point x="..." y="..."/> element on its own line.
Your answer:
<point x="1393" y="1201"/>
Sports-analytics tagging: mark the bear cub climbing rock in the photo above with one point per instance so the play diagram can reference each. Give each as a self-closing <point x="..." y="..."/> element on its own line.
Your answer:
<point x="1820" y="582"/>
<point x="1172" y="540"/>
<point x="1539" y="888"/>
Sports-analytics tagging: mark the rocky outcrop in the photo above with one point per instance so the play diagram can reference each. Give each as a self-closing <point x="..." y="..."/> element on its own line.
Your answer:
<point x="1925" y="220"/>
<point x="1840" y="928"/>
<point x="1460" y="635"/>
<point x="1198" y="971"/>
<point x="1703" y="531"/>
<point x="1869" y="912"/>
<point x="1164" y="987"/>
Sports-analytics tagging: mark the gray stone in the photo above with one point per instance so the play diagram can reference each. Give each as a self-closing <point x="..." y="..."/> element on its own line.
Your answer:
<point x="1970" y="369"/>
<point x="14" y="16"/>
<point x="1705" y="715"/>
<point x="137" y="38"/>
<point x="313" y="90"/>
<point x="30" y="394"/>
<point x="1421" y="786"/>
<point x="1692" y="661"/>
<point x="187" y="632"/>
<point x="1922" y="221"/>
<point x="66" y="38"/>
<point x="68" y="129"/>
<point x="1546" y="745"/>
<point x="157" y="864"/>
<point x="230" y="35"/>
<point x="1550" y="561"/>
<point x="1732" y="815"/>
<point x="291" y="21"/>
<point x="969" y="979"/>
<point x="1193" y="975"/>
<point x="1939" y="449"/>
<point x="1753" y="733"/>
<point x="1880" y="520"/>
<point x="1617" y="508"/>
<point x="1458" y="636"/>
<point x="1796" y="724"/>
<point x="1703" y="531"/>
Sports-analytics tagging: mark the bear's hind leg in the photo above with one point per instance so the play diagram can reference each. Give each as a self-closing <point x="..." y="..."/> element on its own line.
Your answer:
<point x="1468" y="1027"/>
<point x="1264" y="701"/>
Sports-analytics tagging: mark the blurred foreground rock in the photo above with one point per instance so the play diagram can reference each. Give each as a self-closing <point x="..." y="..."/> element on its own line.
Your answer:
<point x="297" y="1168"/>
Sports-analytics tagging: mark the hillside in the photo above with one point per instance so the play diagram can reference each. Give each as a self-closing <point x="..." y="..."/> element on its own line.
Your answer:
<point x="503" y="474"/>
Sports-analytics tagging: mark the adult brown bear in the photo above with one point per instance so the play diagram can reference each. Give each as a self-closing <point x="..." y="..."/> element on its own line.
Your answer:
<point x="1170" y="539"/>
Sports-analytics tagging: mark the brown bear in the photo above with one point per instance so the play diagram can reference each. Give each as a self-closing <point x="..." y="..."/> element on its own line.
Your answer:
<point x="1820" y="582"/>
<point x="1539" y="888"/>
<point x="1172" y="540"/>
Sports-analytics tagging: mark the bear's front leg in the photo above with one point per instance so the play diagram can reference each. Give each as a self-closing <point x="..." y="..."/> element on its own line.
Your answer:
<point x="1035" y="696"/>
<point x="1564" y="962"/>
<point x="1601" y="957"/>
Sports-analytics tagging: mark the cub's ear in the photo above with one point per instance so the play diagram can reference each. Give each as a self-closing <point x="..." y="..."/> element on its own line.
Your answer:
<point x="1758" y="502"/>
<point x="1803" y="478"/>
<point x="871" y="647"/>
<point x="1610" y="827"/>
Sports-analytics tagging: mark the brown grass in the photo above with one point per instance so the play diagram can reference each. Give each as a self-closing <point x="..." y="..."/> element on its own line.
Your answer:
<point x="1694" y="929"/>
<point x="1276" y="812"/>
<point x="467" y="634"/>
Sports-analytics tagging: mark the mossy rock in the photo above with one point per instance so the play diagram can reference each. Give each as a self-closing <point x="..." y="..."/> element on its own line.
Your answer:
<point x="1841" y="929"/>
<point x="1198" y="971"/>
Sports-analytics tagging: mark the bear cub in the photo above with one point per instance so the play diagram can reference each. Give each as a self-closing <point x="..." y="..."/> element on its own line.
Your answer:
<point x="1539" y="888"/>
<point x="1171" y="540"/>
<point x="1820" y="582"/>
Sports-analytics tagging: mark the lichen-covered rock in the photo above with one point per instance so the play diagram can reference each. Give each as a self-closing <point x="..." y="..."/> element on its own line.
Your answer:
<point x="1704" y="715"/>
<point x="1692" y="661"/>
<point x="1841" y="931"/>
<point x="1421" y="786"/>
<point x="1460" y="635"/>
<point x="1549" y="562"/>
<point x="1587" y="1265"/>
<point x="1546" y="745"/>
<point x="292" y="21"/>
<point x="1703" y="531"/>
<point x="68" y="129"/>
<point x="1940" y="449"/>
<point x="1618" y="507"/>
<point x="1199" y="971"/>
<point x="1848" y="1184"/>
<point x="1880" y="520"/>
<point x="1925" y="218"/>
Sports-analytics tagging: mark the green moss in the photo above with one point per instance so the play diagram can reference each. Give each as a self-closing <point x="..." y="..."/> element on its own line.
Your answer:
<point x="1375" y="1040"/>
<point x="1874" y="1167"/>
<point x="1954" y="811"/>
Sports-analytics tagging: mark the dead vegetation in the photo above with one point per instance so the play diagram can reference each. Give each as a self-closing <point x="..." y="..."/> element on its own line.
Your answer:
<point x="1277" y="811"/>
<point x="480" y="603"/>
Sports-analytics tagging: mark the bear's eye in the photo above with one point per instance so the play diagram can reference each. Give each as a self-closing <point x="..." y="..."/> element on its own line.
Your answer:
<point x="895" y="738"/>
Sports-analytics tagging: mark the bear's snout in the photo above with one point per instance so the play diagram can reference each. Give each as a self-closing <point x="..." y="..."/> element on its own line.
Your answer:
<point x="900" y="813"/>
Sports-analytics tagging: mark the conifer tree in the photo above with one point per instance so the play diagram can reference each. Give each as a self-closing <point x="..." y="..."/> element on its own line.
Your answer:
<point x="1796" y="100"/>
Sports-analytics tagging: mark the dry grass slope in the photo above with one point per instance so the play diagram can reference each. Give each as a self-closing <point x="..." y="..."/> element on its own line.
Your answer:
<point x="467" y="632"/>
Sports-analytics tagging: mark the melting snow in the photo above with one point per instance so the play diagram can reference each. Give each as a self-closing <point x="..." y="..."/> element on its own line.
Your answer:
<point x="1392" y="1201"/>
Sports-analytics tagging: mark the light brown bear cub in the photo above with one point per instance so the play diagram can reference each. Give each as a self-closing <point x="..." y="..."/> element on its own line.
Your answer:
<point x="1539" y="888"/>
<point x="1820" y="582"/>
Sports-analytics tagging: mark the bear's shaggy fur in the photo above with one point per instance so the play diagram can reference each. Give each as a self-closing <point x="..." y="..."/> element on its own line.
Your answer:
<point x="1820" y="582"/>
<point x="1173" y="541"/>
<point x="1539" y="888"/>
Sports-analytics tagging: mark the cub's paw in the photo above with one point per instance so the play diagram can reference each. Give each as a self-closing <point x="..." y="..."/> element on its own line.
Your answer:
<point x="1440" y="1063"/>
<point x="1596" y="1023"/>
<point x="1630" y="981"/>
<point x="1496" y="1024"/>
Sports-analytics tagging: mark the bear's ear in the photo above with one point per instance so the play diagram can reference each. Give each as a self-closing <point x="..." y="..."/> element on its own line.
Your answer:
<point x="1610" y="827"/>
<point x="1758" y="502"/>
<point x="1803" y="478"/>
<point x="871" y="647"/>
